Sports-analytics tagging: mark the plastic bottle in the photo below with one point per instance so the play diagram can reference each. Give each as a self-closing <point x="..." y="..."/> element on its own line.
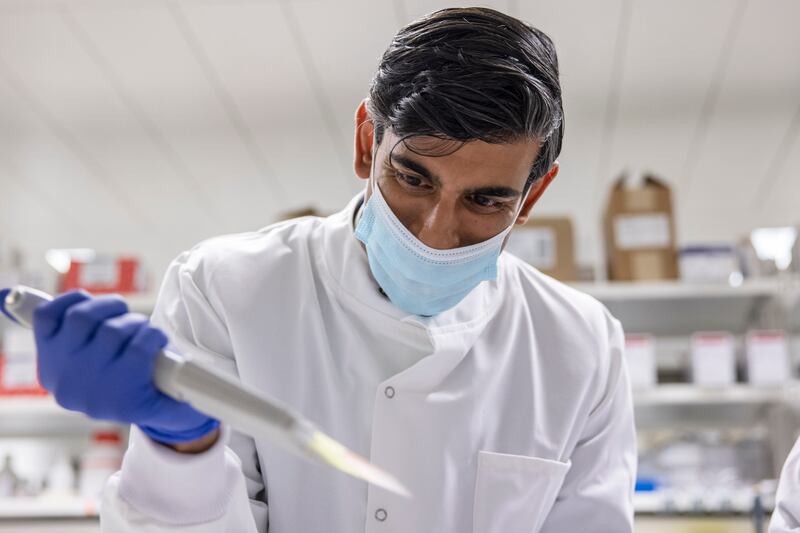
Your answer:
<point x="61" y="478"/>
<point x="101" y="460"/>
<point x="9" y="481"/>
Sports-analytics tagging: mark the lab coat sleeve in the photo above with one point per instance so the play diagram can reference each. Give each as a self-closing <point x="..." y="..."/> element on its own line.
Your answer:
<point x="786" y="517"/>
<point x="157" y="489"/>
<point x="597" y="494"/>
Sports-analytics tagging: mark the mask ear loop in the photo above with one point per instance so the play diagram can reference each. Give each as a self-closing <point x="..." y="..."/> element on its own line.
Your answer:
<point x="373" y="180"/>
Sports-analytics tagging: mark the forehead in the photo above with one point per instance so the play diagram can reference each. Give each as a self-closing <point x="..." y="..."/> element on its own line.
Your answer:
<point x="488" y="163"/>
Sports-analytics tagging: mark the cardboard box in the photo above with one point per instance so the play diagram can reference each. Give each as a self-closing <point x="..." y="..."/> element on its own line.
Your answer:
<point x="548" y="244"/>
<point x="640" y="231"/>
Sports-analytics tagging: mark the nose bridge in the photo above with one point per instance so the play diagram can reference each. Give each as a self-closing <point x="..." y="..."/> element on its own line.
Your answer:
<point x="440" y="227"/>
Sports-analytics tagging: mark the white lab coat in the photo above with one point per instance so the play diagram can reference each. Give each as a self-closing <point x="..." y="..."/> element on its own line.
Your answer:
<point x="510" y="413"/>
<point x="786" y="517"/>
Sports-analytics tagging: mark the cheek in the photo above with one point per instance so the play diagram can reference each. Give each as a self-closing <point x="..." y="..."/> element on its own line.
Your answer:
<point x="479" y="228"/>
<point x="410" y="210"/>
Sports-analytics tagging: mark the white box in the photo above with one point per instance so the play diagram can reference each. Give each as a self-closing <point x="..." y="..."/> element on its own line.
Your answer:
<point x="708" y="264"/>
<point x="768" y="361"/>
<point x="713" y="359"/>
<point x="18" y="359"/>
<point x="535" y="246"/>
<point x="640" y="355"/>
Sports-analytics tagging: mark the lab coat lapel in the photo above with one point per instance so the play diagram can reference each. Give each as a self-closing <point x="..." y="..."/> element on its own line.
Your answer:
<point x="448" y="336"/>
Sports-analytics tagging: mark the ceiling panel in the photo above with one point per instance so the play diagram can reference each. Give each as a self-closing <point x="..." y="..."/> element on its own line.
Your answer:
<point x="780" y="205"/>
<point x="671" y="57"/>
<point x="345" y="54"/>
<point x="765" y="64"/>
<point x="737" y="150"/>
<point x="175" y="90"/>
<point x="36" y="51"/>
<point x="139" y="154"/>
<point x="262" y="64"/>
<point x="35" y="152"/>
<point x="672" y="52"/>
<point x="748" y="122"/>
<point x="26" y="213"/>
<point x="584" y="34"/>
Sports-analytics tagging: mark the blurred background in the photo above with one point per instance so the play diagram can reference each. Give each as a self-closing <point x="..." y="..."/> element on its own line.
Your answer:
<point x="132" y="129"/>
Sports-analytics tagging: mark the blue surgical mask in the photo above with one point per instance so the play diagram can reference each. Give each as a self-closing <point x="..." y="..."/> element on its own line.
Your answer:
<point x="419" y="279"/>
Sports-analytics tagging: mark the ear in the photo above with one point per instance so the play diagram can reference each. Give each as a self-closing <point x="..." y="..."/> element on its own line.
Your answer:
<point x="537" y="189"/>
<point x="362" y="161"/>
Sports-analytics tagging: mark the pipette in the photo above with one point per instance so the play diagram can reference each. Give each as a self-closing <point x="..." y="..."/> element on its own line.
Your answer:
<point x="242" y="407"/>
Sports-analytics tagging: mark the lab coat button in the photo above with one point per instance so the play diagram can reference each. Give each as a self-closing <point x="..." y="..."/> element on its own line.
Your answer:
<point x="380" y="515"/>
<point x="389" y="392"/>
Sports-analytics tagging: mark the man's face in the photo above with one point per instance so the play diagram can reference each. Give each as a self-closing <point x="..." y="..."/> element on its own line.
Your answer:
<point x="454" y="200"/>
<point x="448" y="201"/>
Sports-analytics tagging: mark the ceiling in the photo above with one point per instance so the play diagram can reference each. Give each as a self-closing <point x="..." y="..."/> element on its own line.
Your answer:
<point x="145" y="126"/>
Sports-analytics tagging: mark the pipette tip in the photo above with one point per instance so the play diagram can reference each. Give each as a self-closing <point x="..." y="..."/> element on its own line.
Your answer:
<point x="336" y="455"/>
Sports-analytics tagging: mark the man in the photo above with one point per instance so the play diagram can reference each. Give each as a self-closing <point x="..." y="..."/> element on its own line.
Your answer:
<point x="497" y="395"/>
<point x="786" y="517"/>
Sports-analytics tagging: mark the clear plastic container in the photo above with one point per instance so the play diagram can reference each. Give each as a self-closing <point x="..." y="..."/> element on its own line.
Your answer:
<point x="101" y="460"/>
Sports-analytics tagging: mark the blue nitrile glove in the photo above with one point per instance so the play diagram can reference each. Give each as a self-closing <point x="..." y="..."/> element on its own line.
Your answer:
<point x="97" y="358"/>
<point x="3" y="294"/>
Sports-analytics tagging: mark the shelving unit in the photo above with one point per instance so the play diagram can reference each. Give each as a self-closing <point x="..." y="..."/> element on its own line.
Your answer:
<point x="676" y="290"/>
<point x="40" y="419"/>
<point x="676" y="308"/>
<point x="671" y="311"/>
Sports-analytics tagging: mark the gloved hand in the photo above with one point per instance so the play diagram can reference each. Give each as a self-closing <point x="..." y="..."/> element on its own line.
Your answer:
<point x="97" y="358"/>
<point x="3" y="294"/>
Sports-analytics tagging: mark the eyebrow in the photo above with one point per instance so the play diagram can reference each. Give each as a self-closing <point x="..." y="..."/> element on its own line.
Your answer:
<point x="419" y="168"/>
<point x="496" y="191"/>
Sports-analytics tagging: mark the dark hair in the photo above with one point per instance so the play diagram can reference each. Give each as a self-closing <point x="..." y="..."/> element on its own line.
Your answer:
<point x="471" y="74"/>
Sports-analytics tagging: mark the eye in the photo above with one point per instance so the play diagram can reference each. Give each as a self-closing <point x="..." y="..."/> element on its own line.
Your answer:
<point x="412" y="182"/>
<point x="485" y="202"/>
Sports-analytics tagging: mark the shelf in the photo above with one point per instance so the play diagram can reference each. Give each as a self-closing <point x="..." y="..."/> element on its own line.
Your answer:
<point x="47" y="507"/>
<point x="678" y="308"/>
<point x="688" y="394"/>
<point x="734" y="407"/>
<point x="25" y="415"/>
<point x="709" y="503"/>
<point x="677" y="290"/>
